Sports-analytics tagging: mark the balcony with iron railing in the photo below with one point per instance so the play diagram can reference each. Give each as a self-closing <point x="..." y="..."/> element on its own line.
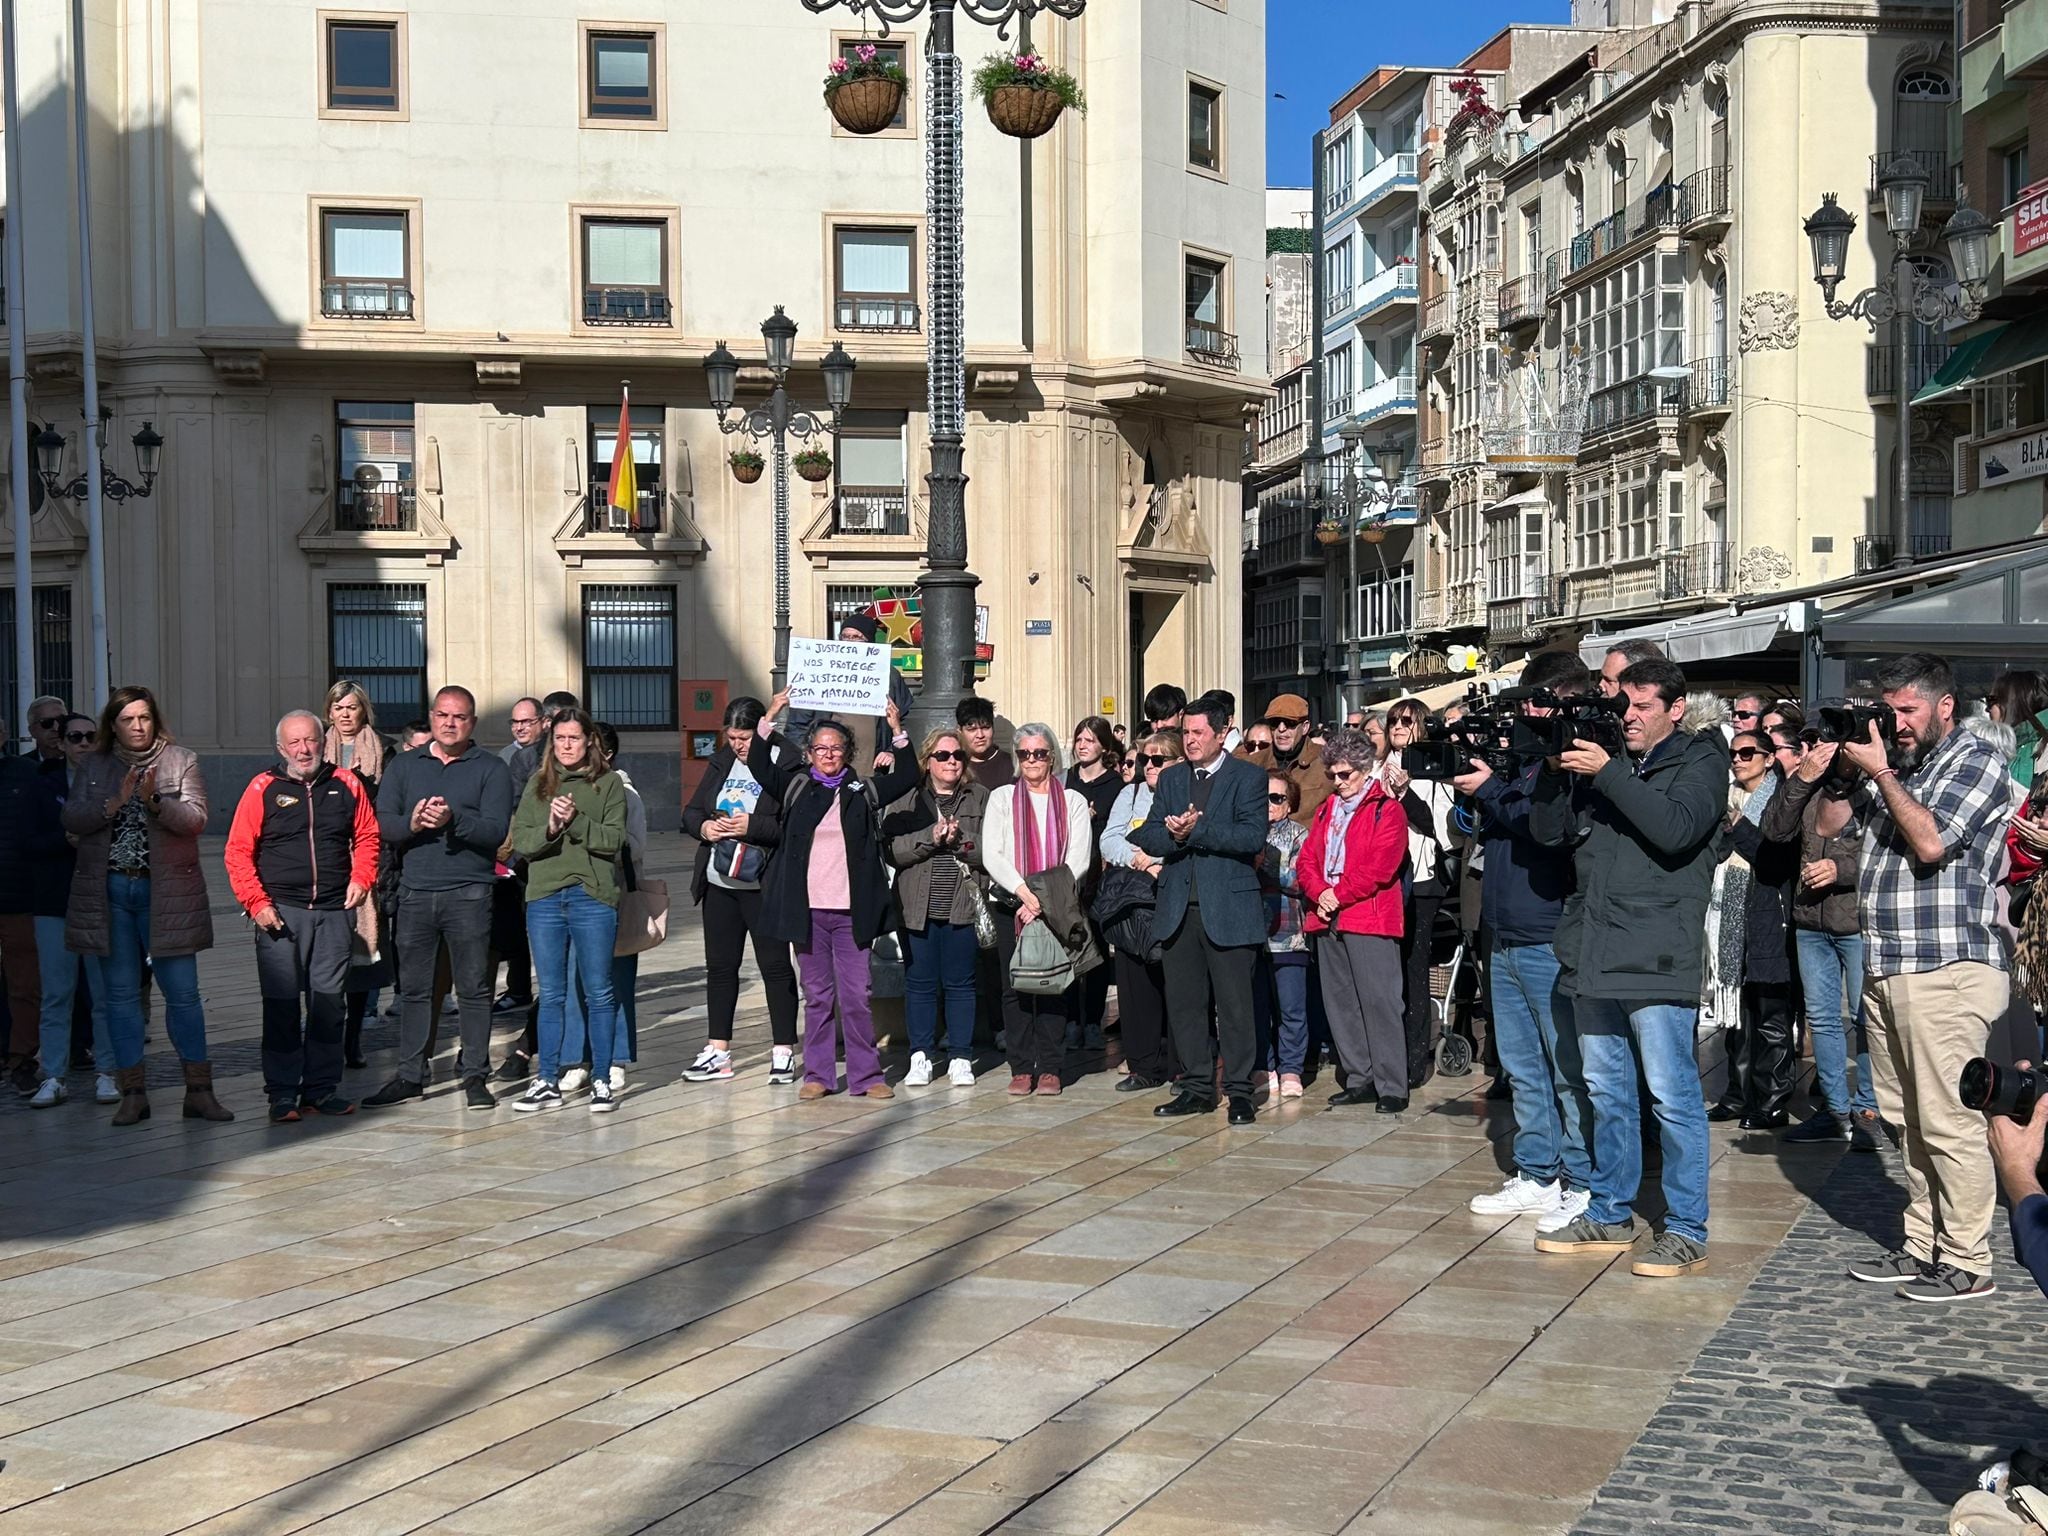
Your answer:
<point x="365" y="298"/>
<point x="1696" y="570"/>
<point x="1521" y="301"/>
<point x="1703" y="201"/>
<point x="600" y="516"/>
<point x="874" y="511"/>
<point x="1436" y="317"/>
<point x="625" y="306"/>
<point x="1875" y="551"/>
<point x="1652" y="214"/>
<point x="374" y="509"/>
<point x="1212" y="345"/>
<point x="1707" y="390"/>
<point x="1942" y="177"/>
<point x="1633" y="402"/>
<point x="875" y="313"/>
<point x="1924" y="359"/>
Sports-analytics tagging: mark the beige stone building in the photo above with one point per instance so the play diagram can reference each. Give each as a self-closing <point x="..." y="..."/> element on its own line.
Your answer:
<point x="1651" y="281"/>
<point x="377" y="276"/>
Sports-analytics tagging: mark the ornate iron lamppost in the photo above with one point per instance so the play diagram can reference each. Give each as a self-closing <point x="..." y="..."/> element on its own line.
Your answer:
<point x="1359" y="505"/>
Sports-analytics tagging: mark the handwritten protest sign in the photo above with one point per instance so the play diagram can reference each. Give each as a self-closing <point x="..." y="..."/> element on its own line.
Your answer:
<point x="846" y="676"/>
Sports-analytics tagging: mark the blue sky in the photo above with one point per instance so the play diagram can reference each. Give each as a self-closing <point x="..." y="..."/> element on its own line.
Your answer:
<point x="1316" y="50"/>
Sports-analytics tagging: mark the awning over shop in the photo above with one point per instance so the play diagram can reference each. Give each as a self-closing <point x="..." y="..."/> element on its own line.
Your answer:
<point x="1988" y="354"/>
<point x="1707" y="636"/>
<point x="1998" y="608"/>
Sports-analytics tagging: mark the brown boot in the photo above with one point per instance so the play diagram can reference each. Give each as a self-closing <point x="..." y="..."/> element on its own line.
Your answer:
<point x="134" y="1097"/>
<point x="200" y="1104"/>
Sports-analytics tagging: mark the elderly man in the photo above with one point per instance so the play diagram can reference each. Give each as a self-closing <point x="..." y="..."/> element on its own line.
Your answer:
<point x="1293" y="754"/>
<point x="301" y="857"/>
<point x="46" y="717"/>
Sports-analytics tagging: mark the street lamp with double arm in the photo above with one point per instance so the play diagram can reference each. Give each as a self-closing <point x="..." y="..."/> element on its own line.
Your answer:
<point x="1361" y="506"/>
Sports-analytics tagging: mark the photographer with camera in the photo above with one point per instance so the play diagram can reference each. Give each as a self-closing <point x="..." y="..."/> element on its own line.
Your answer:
<point x="1642" y="822"/>
<point x="2016" y="1151"/>
<point x="1936" y="800"/>
<point x="1523" y="886"/>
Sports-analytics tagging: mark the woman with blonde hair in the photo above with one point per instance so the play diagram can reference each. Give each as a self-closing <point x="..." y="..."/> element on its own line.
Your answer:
<point x="933" y="838"/>
<point x="352" y="742"/>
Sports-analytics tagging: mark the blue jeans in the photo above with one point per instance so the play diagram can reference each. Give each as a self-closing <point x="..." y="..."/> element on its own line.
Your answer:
<point x="59" y="970"/>
<point x="1538" y="1042"/>
<point x="1612" y="1035"/>
<point x="941" y="960"/>
<point x="575" y="1028"/>
<point x="177" y="978"/>
<point x="565" y="927"/>
<point x="1831" y="966"/>
<point x="1282" y="985"/>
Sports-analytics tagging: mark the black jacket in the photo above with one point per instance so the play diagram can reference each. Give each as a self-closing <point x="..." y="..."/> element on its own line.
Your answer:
<point x="1644" y="841"/>
<point x="1523" y="883"/>
<point x="35" y="859"/>
<point x="480" y="794"/>
<point x="785" y="889"/>
<point x="1767" y="915"/>
<point x="764" y="824"/>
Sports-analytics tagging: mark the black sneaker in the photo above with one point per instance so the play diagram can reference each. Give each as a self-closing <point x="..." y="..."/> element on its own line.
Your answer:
<point x="476" y="1096"/>
<point x="1136" y="1082"/>
<point x="1821" y="1127"/>
<point x="540" y="1094"/>
<point x="1866" y="1131"/>
<point x="1944" y="1282"/>
<point x="286" y="1113"/>
<point x="1887" y="1268"/>
<point x="332" y="1104"/>
<point x="1364" y="1093"/>
<point x="26" y="1077"/>
<point x="1585" y="1235"/>
<point x="516" y="1068"/>
<point x="397" y="1091"/>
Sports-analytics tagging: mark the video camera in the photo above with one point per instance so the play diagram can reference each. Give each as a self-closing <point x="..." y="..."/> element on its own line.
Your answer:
<point x="1574" y="717"/>
<point x="1505" y="738"/>
<point x="1838" y="723"/>
<point x="1448" y="747"/>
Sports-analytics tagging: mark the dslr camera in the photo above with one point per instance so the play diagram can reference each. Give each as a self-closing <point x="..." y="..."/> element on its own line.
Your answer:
<point x="1994" y="1090"/>
<point x="1574" y="717"/>
<point x="1838" y="723"/>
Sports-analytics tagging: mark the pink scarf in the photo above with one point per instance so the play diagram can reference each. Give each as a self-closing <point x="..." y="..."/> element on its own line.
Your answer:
<point x="1036" y="851"/>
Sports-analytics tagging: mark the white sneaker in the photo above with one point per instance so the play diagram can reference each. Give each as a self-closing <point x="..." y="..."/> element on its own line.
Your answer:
<point x="51" y="1092"/>
<point x="1571" y="1205"/>
<point x="920" y="1073"/>
<point x="618" y="1079"/>
<point x="575" y="1080"/>
<point x="961" y="1073"/>
<point x="781" y="1066"/>
<point x="711" y="1066"/>
<point x="1518" y="1197"/>
<point x="105" y="1090"/>
<point x="540" y="1094"/>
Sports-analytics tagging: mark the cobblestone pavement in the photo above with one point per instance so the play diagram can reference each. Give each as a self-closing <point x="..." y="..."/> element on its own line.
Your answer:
<point x="1826" y="1406"/>
<point x="721" y="1310"/>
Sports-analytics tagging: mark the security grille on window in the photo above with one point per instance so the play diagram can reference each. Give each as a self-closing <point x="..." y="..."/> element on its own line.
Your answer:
<point x="365" y="271"/>
<point x="885" y="53"/>
<point x="622" y="79"/>
<point x="629" y="656"/>
<point x="50" y="610"/>
<point x="873" y="471"/>
<point x="625" y="266"/>
<point x="362" y="66"/>
<point x="1205" y="127"/>
<point x="876" y="279"/>
<point x="373" y="490"/>
<point x="377" y="635"/>
<point x="843" y="602"/>
<point x="645" y="514"/>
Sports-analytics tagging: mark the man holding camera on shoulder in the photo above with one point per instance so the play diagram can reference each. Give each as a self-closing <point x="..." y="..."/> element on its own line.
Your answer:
<point x="1936" y="800"/>
<point x="2016" y="1150"/>
<point x="1630" y="944"/>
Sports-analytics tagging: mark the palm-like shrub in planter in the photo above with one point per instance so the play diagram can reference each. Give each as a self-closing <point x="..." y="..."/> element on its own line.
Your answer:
<point x="1024" y="95"/>
<point x="865" y="92"/>
<point x="746" y="465"/>
<point x="814" y="464"/>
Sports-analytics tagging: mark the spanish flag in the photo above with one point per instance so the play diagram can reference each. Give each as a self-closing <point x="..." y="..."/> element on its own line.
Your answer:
<point x="625" y="490"/>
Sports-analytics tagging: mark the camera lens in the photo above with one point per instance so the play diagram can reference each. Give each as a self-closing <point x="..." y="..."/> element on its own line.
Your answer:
<point x="1979" y="1084"/>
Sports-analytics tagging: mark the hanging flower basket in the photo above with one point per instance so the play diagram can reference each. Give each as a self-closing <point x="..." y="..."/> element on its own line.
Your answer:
<point x="865" y="92"/>
<point x="814" y="464"/>
<point x="1374" y="531"/>
<point x="1024" y="97"/>
<point x="746" y="465"/>
<point x="1328" y="532"/>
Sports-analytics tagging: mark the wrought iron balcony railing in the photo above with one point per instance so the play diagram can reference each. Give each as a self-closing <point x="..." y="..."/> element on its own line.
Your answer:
<point x="380" y="509"/>
<point x="365" y="298"/>
<point x="1211" y="344"/>
<point x="625" y="306"/>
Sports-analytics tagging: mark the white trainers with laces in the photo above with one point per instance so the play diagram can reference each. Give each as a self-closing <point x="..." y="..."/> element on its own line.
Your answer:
<point x="575" y="1080"/>
<point x="920" y="1073"/>
<point x="781" y="1066"/>
<point x="51" y="1092"/>
<point x="1571" y="1205"/>
<point x="105" y="1090"/>
<point x="618" y="1079"/>
<point x="1518" y="1197"/>
<point x="711" y="1066"/>
<point x="961" y="1073"/>
<point x="601" y="1100"/>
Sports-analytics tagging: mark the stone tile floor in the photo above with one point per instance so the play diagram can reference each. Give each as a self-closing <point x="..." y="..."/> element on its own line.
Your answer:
<point x="718" y="1310"/>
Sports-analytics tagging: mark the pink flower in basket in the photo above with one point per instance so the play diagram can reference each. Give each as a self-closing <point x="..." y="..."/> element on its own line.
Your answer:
<point x="839" y="66"/>
<point x="1029" y="63"/>
<point x="865" y="53"/>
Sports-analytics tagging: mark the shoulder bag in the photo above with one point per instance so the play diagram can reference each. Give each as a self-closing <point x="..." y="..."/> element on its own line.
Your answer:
<point x="643" y="909"/>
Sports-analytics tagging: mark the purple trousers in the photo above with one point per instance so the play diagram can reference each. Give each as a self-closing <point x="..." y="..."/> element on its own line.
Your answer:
<point x="835" y="977"/>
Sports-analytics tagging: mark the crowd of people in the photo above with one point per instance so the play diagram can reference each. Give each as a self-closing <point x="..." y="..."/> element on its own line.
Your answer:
<point x="1268" y="903"/>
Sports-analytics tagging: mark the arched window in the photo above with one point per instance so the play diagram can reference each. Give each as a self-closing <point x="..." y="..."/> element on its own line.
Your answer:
<point x="1920" y="113"/>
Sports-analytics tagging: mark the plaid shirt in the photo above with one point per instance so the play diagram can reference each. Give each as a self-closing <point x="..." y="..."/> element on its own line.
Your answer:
<point x="1921" y="917"/>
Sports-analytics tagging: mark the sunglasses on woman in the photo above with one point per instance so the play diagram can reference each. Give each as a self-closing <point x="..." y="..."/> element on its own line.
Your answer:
<point x="1744" y="754"/>
<point x="1033" y="754"/>
<point x="1276" y="799"/>
<point x="1154" y="759"/>
<point x="943" y="756"/>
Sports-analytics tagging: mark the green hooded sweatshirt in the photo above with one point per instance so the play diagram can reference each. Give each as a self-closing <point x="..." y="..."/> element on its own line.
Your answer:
<point x="587" y="852"/>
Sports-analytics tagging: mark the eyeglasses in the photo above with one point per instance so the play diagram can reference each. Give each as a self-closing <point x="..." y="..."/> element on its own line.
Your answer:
<point x="827" y="749"/>
<point x="943" y="756"/>
<point x="1343" y="775"/>
<point x="1272" y="799"/>
<point x="1155" y="759"/>
<point x="1033" y="754"/>
<point x="78" y="738"/>
<point x="1744" y="754"/>
<point x="1747" y="714"/>
<point x="47" y="723"/>
<point x="1276" y="723"/>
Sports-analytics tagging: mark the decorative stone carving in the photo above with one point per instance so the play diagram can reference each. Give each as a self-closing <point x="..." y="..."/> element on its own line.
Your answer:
<point x="1714" y="254"/>
<point x="1770" y="322"/>
<point x="1715" y="76"/>
<point x="996" y="382"/>
<point x="238" y="367"/>
<point x="1763" y="569"/>
<point x="497" y="373"/>
<point x="1617" y="142"/>
<point x="1923" y="50"/>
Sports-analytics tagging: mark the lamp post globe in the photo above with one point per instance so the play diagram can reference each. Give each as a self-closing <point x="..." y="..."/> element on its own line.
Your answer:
<point x="1903" y="185"/>
<point x="49" y="450"/>
<point x="149" y="450"/>
<point x="1968" y="238"/>
<point x="1392" y="463"/>
<point x="1829" y="227"/>
<point x="838" y="366"/>
<point x="778" y="331"/>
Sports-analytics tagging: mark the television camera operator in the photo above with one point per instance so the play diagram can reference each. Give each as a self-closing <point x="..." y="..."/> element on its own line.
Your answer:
<point x="1936" y="800"/>
<point x="1641" y="815"/>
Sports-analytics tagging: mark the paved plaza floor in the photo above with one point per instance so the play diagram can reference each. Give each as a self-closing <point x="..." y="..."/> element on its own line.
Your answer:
<point x="719" y="1310"/>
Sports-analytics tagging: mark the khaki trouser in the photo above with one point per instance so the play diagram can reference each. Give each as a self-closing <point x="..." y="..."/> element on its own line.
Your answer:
<point x="1923" y="1026"/>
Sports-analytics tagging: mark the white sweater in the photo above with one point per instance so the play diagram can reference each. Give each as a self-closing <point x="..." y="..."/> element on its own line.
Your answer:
<point x="998" y="840"/>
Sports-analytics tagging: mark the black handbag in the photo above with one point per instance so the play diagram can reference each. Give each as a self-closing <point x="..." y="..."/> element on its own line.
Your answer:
<point x="1123" y="905"/>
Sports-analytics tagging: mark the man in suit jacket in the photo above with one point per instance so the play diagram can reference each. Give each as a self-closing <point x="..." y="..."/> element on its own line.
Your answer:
<point x="1208" y="828"/>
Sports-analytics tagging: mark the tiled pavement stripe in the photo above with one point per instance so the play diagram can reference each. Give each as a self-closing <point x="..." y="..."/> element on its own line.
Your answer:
<point x="1825" y="1406"/>
<point x="1168" y="1152"/>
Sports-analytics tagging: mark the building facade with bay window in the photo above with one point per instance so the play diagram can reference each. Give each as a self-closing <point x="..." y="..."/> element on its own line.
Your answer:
<point x="380" y="283"/>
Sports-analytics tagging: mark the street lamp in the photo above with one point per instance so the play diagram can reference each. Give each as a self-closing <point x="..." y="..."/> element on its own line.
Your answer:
<point x="1362" y="506"/>
<point x="946" y="590"/>
<point x="1907" y="293"/>
<point x="775" y="421"/>
<point x="49" y="451"/>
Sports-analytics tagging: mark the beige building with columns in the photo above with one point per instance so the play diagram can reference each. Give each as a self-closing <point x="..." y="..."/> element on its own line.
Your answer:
<point x="377" y="275"/>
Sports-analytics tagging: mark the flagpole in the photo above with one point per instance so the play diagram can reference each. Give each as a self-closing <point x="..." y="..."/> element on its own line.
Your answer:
<point x="95" y="528"/>
<point x="17" y="384"/>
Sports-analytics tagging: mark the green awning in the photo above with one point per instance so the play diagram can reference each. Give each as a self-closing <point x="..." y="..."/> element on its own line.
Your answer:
<point x="1987" y="355"/>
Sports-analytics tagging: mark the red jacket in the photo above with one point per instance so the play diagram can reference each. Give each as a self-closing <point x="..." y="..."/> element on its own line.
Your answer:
<point x="302" y="845"/>
<point x="1375" y="847"/>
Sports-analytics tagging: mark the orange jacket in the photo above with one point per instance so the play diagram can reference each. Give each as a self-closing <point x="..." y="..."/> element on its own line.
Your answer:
<point x="302" y="845"/>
